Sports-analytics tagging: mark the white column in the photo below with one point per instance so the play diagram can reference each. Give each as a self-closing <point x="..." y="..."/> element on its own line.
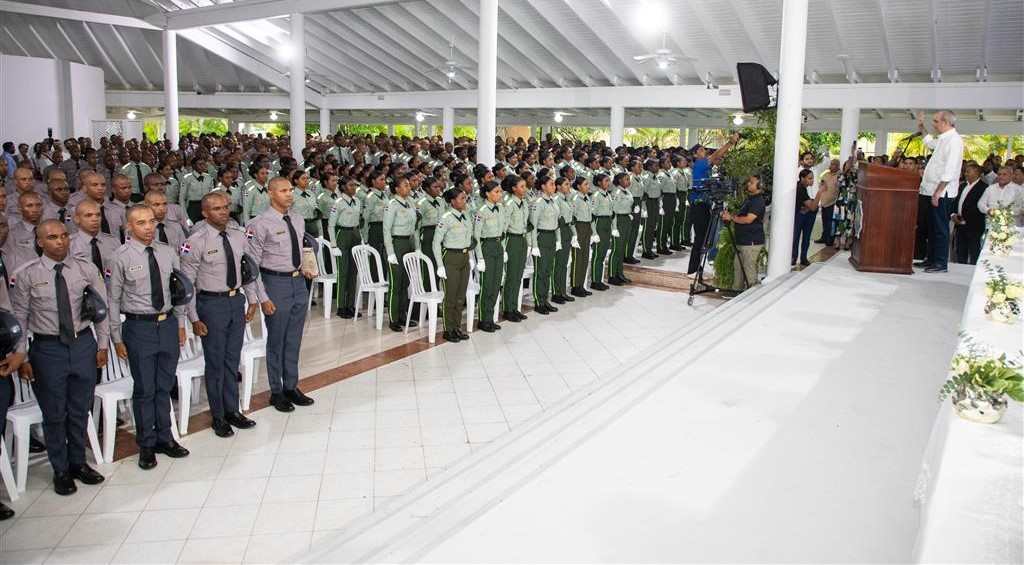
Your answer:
<point x="487" y="82"/>
<point x="171" y="86"/>
<point x="682" y="137"/>
<point x="692" y="136"/>
<point x="297" y="94"/>
<point x="787" y="134"/>
<point x="325" y="123"/>
<point x="448" y="124"/>
<point x="391" y="130"/>
<point x="232" y="125"/>
<point x="849" y="128"/>
<point x="618" y="124"/>
<point x="881" y="142"/>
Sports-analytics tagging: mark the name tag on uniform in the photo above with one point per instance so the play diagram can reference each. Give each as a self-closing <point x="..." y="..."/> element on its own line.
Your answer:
<point x="27" y="242"/>
<point x="212" y="251"/>
<point x="39" y="284"/>
<point x="134" y="268"/>
<point x="279" y="232"/>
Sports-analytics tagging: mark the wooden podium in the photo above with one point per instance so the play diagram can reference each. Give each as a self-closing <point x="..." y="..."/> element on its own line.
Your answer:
<point x="885" y="220"/>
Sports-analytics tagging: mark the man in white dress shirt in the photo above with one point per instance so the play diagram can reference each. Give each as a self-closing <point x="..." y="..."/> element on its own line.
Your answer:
<point x="940" y="182"/>
<point x="1001" y="193"/>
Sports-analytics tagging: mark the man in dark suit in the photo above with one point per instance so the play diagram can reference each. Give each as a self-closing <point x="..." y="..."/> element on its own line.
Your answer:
<point x="969" y="221"/>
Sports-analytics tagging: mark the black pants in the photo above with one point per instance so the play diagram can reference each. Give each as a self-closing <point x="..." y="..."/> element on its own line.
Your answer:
<point x="224" y="317"/>
<point x="826" y="224"/>
<point x="194" y="210"/>
<point x="65" y="379"/>
<point x="968" y="245"/>
<point x="153" y="358"/>
<point x="924" y="205"/>
<point x="701" y="215"/>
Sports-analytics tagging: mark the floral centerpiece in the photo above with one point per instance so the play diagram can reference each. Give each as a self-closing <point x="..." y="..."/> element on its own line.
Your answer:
<point x="1002" y="231"/>
<point x="979" y="383"/>
<point x="1002" y="296"/>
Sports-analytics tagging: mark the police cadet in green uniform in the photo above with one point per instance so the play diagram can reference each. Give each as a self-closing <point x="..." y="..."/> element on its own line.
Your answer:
<point x="667" y="219"/>
<point x="517" y="220"/>
<point x="430" y="208"/>
<point x="681" y="231"/>
<point x="567" y="233"/>
<point x="652" y="206"/>
<point x="489" y="225"/>
<point x="324" y="202"/>
<point x="345" y="218"/>
<point x="47" y="299"/>
<point x="545" y="241"/>
<point x="255" y="199"/>
<point x="399" y="228"/>
<point x="373" y="215"/>
<point x="194" y="186"/>
<point x="636" y="188"/>
<point x="622" y="207"/>
<point x="583" y="222"/>
<point x="305" y="202"/>
<point x="602" y="208"/>
<point x="451" y="246"/>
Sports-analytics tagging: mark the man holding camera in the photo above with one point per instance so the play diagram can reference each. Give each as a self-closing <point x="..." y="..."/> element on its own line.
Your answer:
<point x="749" y="234"/>
<point x="700" y="207"/>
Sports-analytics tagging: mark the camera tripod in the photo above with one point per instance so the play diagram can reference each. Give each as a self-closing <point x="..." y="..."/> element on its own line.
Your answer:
<point x="698" y="286"/>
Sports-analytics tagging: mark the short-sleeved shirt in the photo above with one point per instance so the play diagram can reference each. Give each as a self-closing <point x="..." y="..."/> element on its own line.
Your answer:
<point x="752" y="233"/>
<point x="34" y="297"/>
<point x="701" y="169"/>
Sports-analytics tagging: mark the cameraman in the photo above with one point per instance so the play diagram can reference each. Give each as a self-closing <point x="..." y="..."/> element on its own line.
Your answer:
<point x="700" y="207"/>
<point x="749" y="235"/>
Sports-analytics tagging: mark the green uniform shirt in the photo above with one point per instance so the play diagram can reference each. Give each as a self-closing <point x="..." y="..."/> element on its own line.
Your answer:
<point x="666" y="182"/>
<point x="636" y="185"/>
<point x="304" y="204"/>
<point x="622" y="203"/>
<point x="652" y="186"/>
<point x="454" y="231"/>
<point x="194" y="187"/>
<point x="134" y="172"/>
<point x="489" y="221"/>
<point x="400" y="218"/>
<point x="325" y="201"/>
<point x="518" y="215"/>
<point x="544" y="216"/>
<point x="373" y="206"/>
<point x="346" y="212"/>
<point x="565" y="211"/>
<point x="431" y="208"/>
<point x="601" y="204"/>
<point x="683" y="180"/>
<point x="582" y="208"/>
<point x="255" y="201"/>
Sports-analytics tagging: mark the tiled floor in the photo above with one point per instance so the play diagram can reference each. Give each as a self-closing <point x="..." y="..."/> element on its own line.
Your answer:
<point x="267" y="493"/>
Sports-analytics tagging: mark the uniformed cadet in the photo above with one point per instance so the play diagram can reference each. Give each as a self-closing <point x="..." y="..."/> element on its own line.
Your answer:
<point x="194" y="186"/>
<point x="622" y="208"/>
<point x="399" y="228"/>
<point x="451" y="246"/>
<point x="430" y="208"/>
<point x="329" y="192"/>
<point x="636" y="188"/>
<point x="89" y="243"/>
<point x="681" y="233"/>
<point x="56" y="207"/>
<point x="583" y="221"/>
<point x="175" y="215"/>
<point x="652" y="208"/>
<point x="136" y="172"/>
<point x="517" y="220"/>
<point x="168" y="233"/>
<point x="47" y="300"/>
<point x="545" y="240"/>
<point x="567" y="233"/>
<point x="7" y="380"/>
<point x="73" y="165"/>
<point x="343" y="224"/>
<point x="152" y="334"/>
<point x="20" y="247"/>
<point x="227" y="183"/>
<point x="667" y="220"/>
<point x="95" y="188"/>
<point x="212" y="258"/>
<point x="373" y="216"/>
<point x="305" y="202"/>
<point x="275" y="242"/>
<point x="602" y="238"/>
<point x="489" y="224"/>
<point x="170" y="183"/>
<point x="255" y="199"/>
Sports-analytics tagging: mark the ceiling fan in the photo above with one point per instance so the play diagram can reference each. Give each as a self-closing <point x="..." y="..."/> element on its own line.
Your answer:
<point x="422" y="115"/>
<point x="664" y="57"/>
<point x="558" y="116"/>
<point x="451" y="67"/>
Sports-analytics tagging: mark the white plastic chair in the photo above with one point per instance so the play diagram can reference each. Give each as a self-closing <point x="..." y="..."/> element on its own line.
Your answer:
<point x="7" y="472"/>
<point x="429" y="296"/>
<point x="325" y="279"/>
<point x="254" y="348"/>
<point x="115" y="385"/>
<point x="472" y="289"/>
<point x="191" y="368"/>
<point x="527" y="274"/>
<point x="365" y="284"/>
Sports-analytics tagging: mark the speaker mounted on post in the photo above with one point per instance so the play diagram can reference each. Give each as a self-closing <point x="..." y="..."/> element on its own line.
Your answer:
<point x="757" y="87"/>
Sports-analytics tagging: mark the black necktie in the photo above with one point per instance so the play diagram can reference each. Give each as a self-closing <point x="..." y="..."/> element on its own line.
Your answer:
<point x="3" y="271"/>
<point x="161" y="233"/>
<point x="62" y="215"/>
<point x="229" y="258"/>
<point x="138" y="175"/>
<point x="296" y="254"/>
<point x="97" y="258"/>
<point x="156" y="285"/>
<point x="104" y="224"/>
<point x="66" y="323"/>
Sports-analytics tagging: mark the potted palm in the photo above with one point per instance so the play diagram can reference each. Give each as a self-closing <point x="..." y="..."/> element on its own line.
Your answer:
<point x="980" y="383"/>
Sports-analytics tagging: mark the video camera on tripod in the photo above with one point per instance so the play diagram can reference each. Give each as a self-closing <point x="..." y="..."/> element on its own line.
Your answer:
<point x="717" y="189"/>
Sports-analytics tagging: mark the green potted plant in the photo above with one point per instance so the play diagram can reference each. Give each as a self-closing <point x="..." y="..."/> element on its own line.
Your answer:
<point x="980" y="382"/>
<point x="1002" y="296"/>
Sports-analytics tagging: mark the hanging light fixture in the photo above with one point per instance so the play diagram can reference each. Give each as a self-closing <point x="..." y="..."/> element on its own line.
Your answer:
<point x="273" y="116"/>
<point x="737" y="120"/>
<point x="558" y="117"/>
<point x="131" y="115"/>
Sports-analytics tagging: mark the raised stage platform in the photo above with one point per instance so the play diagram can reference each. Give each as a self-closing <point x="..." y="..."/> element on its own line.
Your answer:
<point x="787" y="425"/>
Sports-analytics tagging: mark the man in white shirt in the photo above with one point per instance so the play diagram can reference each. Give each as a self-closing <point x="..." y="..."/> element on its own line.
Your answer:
<point x="1002" y="193"/>
<point x="940" y="182"/>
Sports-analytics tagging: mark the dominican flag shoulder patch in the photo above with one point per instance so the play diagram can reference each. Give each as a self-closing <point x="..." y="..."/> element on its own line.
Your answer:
<point x="186" y="248"/>
<point x="250" y="233"/>
<point x="106" y="273"/>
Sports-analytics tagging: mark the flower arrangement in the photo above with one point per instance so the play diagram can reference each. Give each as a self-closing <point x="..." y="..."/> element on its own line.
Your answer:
<point x="979" y="383"/>
<point x="1002" y="232"/>
<point x="1002" y="296"/>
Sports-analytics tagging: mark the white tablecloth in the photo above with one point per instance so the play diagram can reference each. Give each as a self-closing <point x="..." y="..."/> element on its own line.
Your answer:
<point x="971" y="487"/>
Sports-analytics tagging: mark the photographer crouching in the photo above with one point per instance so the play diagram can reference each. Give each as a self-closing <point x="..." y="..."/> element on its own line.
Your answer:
<point x="700" y="205"/>
<point x="748" y="227"/>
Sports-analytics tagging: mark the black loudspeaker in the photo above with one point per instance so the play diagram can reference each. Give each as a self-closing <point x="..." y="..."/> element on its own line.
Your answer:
<point x="754" y="82"/>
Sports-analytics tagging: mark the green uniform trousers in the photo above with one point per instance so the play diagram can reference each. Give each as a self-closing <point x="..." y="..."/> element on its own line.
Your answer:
<point x="581" y="256"/>
<point x="398" y="280"/>
<point x="679" y="234"/>
<point x="456" y="266"/>
<point x="515" y="245"/>
<point x="668" y="221"/>
<point x="604" y="230"/>
<point x="616" y="267"/>
<point x="427" y="244"/>
<point x="312" y="227"/>
<point x="543" y="268"/>
<point x="687" y="227"/>
<point x="346" y="238"/>
<point x="651" y="224"/>
<point x="634" y="228"/>
<point x="375" y="239"/>
<point x="560" y="282"/>
<point x="490" y="279"/>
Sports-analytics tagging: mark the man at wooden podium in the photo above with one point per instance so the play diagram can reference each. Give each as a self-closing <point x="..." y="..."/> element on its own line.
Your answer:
<point x="940" y="181"/>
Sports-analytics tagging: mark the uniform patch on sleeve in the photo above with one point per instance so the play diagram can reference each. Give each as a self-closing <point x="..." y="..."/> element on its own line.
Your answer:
<point x="106" y="273"/>
<point x="186" y="248"/>
<point x="250" y="233"/>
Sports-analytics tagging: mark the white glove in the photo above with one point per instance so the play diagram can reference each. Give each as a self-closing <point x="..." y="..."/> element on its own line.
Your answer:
<point x="643" y="213"/>
<point x="575" y="242"/>
<point x="615" y="233"/>
<point x="504" y="257"/>
<point x="636" y="209"/>
<point x="442" y="273"/>
<point x="661" y="211"/>
<point x="392" y="259"/>
<point x="595" y="238"/>
<point x="535" y="252"/>
<point x="481" y="266"/>
<point x="558" y="246"/>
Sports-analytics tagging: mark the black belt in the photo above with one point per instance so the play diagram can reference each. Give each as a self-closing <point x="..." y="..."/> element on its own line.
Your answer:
<point x="433" y="227"/>
<point x="490" y="238"/>
<point x="546" y="231"/>
<point x="460" y="250"/>
<point x="578" y="222"/>
<point x="603" y="216"/>
<point x="48" y="337"/>
<point x="148" y="317"/>
<point x="338" y="228"/>
<point x="400" y="237"/>
<point x="371" y="223"/>
<point x="516" y="234"/>
<point x="232" y="292"/>
<point x="294" y="273"/>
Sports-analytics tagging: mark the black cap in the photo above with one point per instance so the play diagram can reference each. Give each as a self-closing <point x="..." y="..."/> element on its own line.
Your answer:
<point x="249" y="269"/>
<point x="94" y="307"/>
<point x="10" y="333"/>
<point x="182" y="289"/>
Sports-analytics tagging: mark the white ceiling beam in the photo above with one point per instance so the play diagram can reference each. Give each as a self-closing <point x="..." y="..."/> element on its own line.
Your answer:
<point x="78" y="52"/>
<point x="890" y="59"/>
<point x="16" y="42"/>
<point x="227" y="100"/>
<point x="317" y="53"/>
<point x="752" y="35"/>
<point x="933" y="40"/>
<point x="849" y="69"/>
<point x="106" y="58"/>
<point x="716" y="41"/>
<point x="329" y="66"/>
<point x="74" y="15"/>
<point x="252" y="10"/>
<point x="572" y="59"/>
<point x="635" y="46"/>
<point x="988" y="27"/>
<point x="131" y="57"/>
<point x="39" y="38"/>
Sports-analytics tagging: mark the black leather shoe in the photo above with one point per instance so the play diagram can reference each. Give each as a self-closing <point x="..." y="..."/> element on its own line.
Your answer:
<point x="664" y="251"/>
<point x="599" y="286"/>
<point x="631" y="261"/>
<point x="413" y="323"/>
<point x="489" y="327"/>
<point x="579" y="292"/>
<point x="557" y="299"/>
<point x="649" y="255"/>
<point x="280" y="403"/>
<point x="510" y="316"/>
<point x="172" y="449"/>
<point x="551" y="309"/>
<point x="297" y="397"/>
<point x="451" y="337"/>
<point x="542" y="310"/>
<point x="805" y="263"/>
<point x="462" y="335"/>
<point x="615" y="281"/>
<point x="922" y="264"/>
<point x="221" y="428"/>
<point x="5" y="512"/>
<point x="147" y="459"/>
<point x="396" y="327"/>
<point x="819" y="241"/>
<point x="519" y="316"/>
<point x="238" y="420"/>
<point x="936" y="270"/>
<point x="568" y="298"/>
<point x="342" y="313"/>
<point x="85" y="474"/>
<point x="676" y="247"/>
<point x="36" y="446"/>
<point x="64" y="484"/>
<point x="626" y="280"/>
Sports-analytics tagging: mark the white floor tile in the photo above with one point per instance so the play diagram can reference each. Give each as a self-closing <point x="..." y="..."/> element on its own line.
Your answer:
<point x="50" y="503"/>
<point x="305" y="463"/>
<point x="353" y="421"/>
<point x="100" y="529"/>
<point x="154" y="553"/>
<point x="224" y="521"/>
<point x="236" y="492"/>
<point x="193" y="468"/>
<point x="398" y="458"/>
<point x="214" y="550"/>
<point x="163" y="525"/>
<point x="188" y="494"/>
<point x="86" y="555"/>
<point x="37" y="533"/>
<point x="247" y="466"/>
<point x="122" y="498"/>
<point x="293" y="488"/>
<point x="360" y="439"/>
<point x="444" y="455"/>
<point x="129" y="473"/>
<point x="277" y="548"/>
<point x="24" y="557"/>
<point x="394" y="483"/>
<point x="303" y="441"/>
<point x="338" y="514"/>
<point x="390" y="419"/>
<point x="483" y="433"/>
<point x="348" y="461"/>
<point x="285" y="517"/>
<point x="397" y="437"/>
<point x="446" y="435"/>
<point x="346" y="485"/>
<point x="482" y="414"/>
